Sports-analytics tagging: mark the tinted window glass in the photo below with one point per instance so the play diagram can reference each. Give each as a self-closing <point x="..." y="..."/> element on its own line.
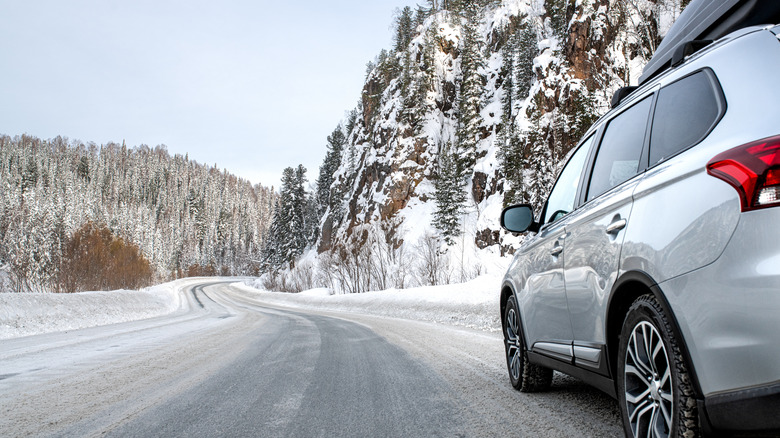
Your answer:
<point x="561" y="200"/>
<point x="621" y="149"/>
<point x="686" y="111"/>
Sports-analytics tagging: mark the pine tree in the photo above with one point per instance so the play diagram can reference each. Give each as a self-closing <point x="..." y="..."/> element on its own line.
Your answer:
<point x="526" y="50"/>
<point x="83" y="168"/>
<point x="352" y="121"/>
<point x="270" y="259"/>
<point x="542" y="168"/>
<point x="420" y="80"/>
<point x="470" y="104"/>
<point x="325" y="192"/>
<point x="420" y="15"/>
<point x="287" y="236"/>
<point x="518" y="53"/>
<point x="300" y="201"/>
<point x="404" y="27"/>
<point x="559" y="12"/>
<point x="311" y="220"/>
<point x="513" y="163"/>
<point x="450" y="197"/>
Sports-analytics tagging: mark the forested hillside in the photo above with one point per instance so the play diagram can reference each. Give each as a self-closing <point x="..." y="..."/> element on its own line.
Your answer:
<point x="474" y="107"/>
<point x="183" y="218"/>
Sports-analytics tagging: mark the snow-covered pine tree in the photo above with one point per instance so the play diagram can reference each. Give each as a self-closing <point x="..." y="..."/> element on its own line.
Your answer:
<point x="420" y="15"/>
<point x="326" y="197"/>
<point x="299" y="229"/>
<point x="287" y="236"/>
<point x="421" y="77"/>
<point x="404" y="28"/>
<point x="526" y="49"/>
<point x="471" y="86"/>
<point x="541" y="168"/>
<point x="311" y="220"/>
<point x="449" y="195"/>
<point x="518" y="54"/>
<point x="272" y="258"/>
<point x="559" y="13"/>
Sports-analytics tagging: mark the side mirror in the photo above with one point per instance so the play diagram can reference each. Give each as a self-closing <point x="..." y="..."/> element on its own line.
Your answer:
<point x="519" y="219"/>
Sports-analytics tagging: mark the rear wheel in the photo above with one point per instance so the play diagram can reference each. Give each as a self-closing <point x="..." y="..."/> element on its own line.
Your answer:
<point x="654" y="389"/>
<point x="525" y="376"/>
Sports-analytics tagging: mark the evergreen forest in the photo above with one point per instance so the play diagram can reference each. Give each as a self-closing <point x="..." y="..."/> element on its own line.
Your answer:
<point x="154" y="215"/>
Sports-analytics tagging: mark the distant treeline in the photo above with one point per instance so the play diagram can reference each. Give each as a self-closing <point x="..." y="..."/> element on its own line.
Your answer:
<point x="65" y="205"/>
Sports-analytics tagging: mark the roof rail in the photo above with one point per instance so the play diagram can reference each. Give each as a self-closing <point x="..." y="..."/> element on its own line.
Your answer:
<point x="687" y="48"/>
<point x="621" y="94"/>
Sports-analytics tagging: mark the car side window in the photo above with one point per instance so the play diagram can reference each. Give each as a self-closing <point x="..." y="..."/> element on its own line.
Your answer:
<point x="686" y="112"/>
<point x="621" y="149"/>
<point x="564" y="193"/>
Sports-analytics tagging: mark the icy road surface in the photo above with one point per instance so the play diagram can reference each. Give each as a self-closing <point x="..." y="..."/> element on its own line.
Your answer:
<point x="227" y="364"/>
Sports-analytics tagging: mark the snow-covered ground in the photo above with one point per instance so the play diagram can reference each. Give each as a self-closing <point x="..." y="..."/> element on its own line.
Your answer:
<point x="23" y="314"/>
<point x="472" y="304"/>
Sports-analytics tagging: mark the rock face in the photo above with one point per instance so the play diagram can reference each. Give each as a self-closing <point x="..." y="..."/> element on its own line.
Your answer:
<point x="409" y="113"/>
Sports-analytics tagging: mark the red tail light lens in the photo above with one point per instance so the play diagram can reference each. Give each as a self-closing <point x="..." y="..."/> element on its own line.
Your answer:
<point x="754" y="170"/>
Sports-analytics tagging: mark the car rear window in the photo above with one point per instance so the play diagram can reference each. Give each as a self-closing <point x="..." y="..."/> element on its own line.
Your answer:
<point x="621" y="149"/>
<point x="686" y="112"/>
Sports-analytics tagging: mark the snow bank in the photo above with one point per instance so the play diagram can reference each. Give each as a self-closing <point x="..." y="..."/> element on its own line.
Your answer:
<point x="23" y="314"/>
<point x="472" y="304"/>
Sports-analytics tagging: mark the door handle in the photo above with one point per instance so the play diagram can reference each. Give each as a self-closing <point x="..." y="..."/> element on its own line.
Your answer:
<point x="616" y="226"/>
<point x="557" y="250"/>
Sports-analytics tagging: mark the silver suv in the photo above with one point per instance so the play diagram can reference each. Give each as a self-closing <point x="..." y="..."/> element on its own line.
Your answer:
<point x="654" y="270"/>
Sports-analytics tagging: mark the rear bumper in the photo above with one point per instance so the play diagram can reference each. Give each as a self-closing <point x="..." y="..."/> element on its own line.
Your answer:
<point x="754" y="410"/>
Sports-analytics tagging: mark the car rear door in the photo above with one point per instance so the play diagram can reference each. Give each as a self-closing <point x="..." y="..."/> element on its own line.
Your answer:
<point x="595" y="231"/>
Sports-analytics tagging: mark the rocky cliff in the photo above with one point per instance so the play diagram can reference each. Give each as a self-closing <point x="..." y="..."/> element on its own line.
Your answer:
<point x="504" y="88"/>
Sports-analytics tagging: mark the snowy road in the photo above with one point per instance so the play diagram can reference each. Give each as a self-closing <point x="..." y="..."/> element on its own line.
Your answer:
<point x="227" y="364"/>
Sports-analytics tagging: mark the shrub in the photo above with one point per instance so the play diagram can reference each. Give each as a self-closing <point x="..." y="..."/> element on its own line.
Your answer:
<point x="197" y="270"/>
<point x="95" y="259"/>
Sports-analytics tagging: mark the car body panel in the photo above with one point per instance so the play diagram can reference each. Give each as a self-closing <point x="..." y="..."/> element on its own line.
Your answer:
<point x="681" y="221"/>
<point x="541" y="294"/>
<point x="735" y="332"/>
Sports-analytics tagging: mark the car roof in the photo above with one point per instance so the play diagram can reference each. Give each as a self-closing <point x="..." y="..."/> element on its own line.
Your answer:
<point x="709" y="20"/>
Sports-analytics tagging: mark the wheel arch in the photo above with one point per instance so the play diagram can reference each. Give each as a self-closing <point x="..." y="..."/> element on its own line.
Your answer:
<point x="626" y="290"/>
<point x="506" y="291"/>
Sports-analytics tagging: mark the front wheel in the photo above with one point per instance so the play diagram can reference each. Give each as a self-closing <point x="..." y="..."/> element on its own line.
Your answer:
<point x="654" y="388"/>
<point x="525" y="376"/>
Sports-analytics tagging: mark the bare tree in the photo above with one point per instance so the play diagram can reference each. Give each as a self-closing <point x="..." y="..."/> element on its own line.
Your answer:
<point x="432" y="264"/>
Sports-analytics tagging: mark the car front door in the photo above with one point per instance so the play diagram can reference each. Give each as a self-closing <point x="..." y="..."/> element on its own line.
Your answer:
<point x="542" y="298"/>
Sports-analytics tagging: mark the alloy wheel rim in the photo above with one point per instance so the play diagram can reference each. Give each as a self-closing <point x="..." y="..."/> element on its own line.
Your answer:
<point x="647" y="381"/>
<point x="513" y="345"/>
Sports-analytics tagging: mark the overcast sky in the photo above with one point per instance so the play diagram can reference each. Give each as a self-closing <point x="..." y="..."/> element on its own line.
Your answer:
<point x="252" y="86"/>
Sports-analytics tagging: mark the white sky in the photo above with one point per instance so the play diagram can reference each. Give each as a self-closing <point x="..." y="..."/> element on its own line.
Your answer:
<point x="251" y="86"/>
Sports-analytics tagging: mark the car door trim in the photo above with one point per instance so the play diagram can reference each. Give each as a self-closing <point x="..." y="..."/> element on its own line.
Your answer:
<point x="558" y="350"/>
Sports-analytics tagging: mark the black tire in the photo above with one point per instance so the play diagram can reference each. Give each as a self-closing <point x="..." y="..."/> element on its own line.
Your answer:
<point x="654" y="387"/>
<point x="525" y="376"/>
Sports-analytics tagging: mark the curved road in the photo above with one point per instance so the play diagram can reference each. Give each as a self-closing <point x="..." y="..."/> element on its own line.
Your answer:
<point x="228" y="365"/>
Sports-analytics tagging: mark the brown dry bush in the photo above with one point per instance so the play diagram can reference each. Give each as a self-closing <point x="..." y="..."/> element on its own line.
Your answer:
<point x="201" y="271"/>
<point x="95" y="259"/>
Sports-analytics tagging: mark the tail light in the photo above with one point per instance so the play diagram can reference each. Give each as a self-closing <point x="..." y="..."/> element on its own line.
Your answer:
<point x="754" y="170"/>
